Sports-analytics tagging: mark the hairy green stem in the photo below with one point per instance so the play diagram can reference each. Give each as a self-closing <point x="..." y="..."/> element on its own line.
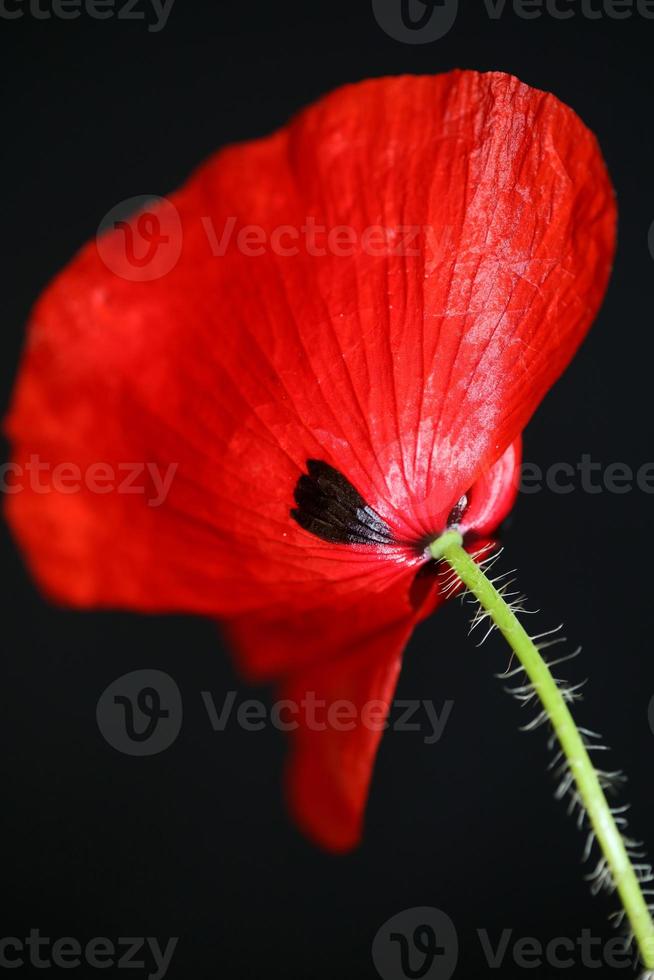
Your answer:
<point x="449" y="547"/>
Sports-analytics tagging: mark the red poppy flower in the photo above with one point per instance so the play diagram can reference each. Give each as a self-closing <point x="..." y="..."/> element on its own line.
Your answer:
<point x="411" y="264"/>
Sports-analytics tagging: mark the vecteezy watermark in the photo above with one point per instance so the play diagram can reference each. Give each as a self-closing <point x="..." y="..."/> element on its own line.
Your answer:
<point x="99" y="953"/>
<point x="318" y="715"/>
<point x="40" y="476"/>
<point x="424" y="21"/>
<point x="315" y="239"/>
<point x="153" y="480"/>
<point x="147" y="242"/>
<point x="416" y="21"/>
<point x="420" y="942"/>
<point x="140" y="713"/>
<point x="588" y="476"/>
<point x="423" y="942"/>
<point x="154" y="13"/>
<point x="559" y="952"/>
<point x="141" y="239"/>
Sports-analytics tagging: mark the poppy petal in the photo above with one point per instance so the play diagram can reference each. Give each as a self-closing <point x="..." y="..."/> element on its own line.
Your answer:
<point x="330" y="768"/>
<point x="493" y="495"/>
<point x="343" y="707"/>
<point x="339" y="674"/>
<point x="483" y="224"/>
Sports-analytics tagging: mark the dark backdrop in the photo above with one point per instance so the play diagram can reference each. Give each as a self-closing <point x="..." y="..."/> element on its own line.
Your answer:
<point x="194" y="841"/>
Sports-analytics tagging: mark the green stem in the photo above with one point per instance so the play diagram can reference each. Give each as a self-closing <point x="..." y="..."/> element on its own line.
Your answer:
<point x="449" y="547"/>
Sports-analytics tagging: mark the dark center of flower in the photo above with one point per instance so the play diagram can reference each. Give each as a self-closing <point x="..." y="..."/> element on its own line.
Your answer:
<point x="332" y="509"/>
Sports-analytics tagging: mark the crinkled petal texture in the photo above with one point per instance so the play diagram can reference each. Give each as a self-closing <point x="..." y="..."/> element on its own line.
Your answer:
<point x="388" y="285"/>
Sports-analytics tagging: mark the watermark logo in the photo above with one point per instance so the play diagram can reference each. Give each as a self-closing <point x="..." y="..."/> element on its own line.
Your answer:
<point x="415" y="21"/>
<point x="416" y="944"/>
<point x="588" y="476"/>
<point x="150" y="480"/>
<point x="99" y="953"/>
<point x="423" y="21"/>
<point x="154" y="13"/>
<point x="559" y="953"/>
<point x="341" y="715"/>
<point x="153" y="481"/>
<point x="423" y="943"/>
<point x="140" y="239"/>
<point x="650" y="714"/>
<point x="140" y="713"/>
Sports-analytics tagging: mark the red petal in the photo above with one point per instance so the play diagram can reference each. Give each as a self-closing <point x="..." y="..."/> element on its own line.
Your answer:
<point x="410" y="374"/>
<point x="338" y="727"/>
<point x="351" y="656"/>
<point x="491" y="498"/>
<point x="329" y="771"/>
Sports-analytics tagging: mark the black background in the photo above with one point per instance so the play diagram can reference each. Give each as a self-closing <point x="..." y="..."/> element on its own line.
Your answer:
<point x="194" y="842"/>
